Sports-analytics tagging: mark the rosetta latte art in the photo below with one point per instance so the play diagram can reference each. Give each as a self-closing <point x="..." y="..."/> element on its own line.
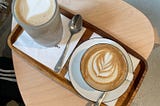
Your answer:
<point x="104" y="67"/>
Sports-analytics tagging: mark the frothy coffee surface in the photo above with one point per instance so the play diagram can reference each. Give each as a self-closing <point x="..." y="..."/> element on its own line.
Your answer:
<point x="104" y="67"/>
<point x="34" y="12"/>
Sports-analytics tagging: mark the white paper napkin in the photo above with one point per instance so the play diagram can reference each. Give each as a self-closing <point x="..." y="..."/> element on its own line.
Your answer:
<point x="48" y="56"/>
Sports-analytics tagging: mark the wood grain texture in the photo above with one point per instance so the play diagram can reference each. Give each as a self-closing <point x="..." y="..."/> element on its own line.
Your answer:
<point x="114" y="17"/>
<point x="37" y="89"/>
<point x="117" y="18"/>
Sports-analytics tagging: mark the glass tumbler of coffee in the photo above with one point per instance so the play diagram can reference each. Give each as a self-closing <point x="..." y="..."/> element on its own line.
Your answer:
<point x="40" y="19"/>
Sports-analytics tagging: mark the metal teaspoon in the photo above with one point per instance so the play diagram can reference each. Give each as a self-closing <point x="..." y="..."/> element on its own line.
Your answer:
<point x="75" y="25"/>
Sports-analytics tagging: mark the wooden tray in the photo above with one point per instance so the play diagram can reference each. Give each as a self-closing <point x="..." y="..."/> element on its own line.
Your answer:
<point x="124" y="100"/>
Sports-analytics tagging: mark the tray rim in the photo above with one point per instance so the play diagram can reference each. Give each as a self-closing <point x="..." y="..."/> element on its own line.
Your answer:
<point x="60" y="79"/>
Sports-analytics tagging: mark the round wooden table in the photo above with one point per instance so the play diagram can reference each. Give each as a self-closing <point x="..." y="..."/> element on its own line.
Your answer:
<point x="115" y="17"/>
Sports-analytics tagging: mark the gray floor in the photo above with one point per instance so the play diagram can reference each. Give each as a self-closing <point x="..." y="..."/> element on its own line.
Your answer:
<point x="149" y="95"/>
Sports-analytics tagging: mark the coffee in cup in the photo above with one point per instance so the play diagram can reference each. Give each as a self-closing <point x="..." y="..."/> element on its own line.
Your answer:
<point x="40" y="19"/>
<point x="104" y="67"/>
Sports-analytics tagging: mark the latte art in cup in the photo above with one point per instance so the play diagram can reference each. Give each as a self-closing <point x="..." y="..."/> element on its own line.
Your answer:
<point x="104" y="67"/>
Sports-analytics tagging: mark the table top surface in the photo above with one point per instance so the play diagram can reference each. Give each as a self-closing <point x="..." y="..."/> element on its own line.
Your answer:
<point x="115" y="17"/>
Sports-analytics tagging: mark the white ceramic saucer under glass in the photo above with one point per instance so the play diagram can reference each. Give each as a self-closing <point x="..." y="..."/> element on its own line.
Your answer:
<point x="81" y="86"/>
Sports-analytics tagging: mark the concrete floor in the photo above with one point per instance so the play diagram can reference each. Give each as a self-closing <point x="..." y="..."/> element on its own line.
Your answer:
<point x="148" y="94"/>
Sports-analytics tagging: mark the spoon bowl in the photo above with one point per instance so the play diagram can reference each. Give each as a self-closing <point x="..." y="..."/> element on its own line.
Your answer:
<point x="75" y="25"/>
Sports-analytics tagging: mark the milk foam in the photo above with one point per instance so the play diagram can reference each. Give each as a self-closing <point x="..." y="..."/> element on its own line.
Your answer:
<point x="103" y="65"/>
<point x="37" y="7"/>
<point x="35" y="12"/>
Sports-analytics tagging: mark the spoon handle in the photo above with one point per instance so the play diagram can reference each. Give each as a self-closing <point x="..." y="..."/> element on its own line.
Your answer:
<point x="100" y="99"/>
<point x="60" y="61"/>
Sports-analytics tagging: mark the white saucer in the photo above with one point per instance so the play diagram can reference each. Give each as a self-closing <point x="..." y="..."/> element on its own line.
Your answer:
<point x="81" y="86"/>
